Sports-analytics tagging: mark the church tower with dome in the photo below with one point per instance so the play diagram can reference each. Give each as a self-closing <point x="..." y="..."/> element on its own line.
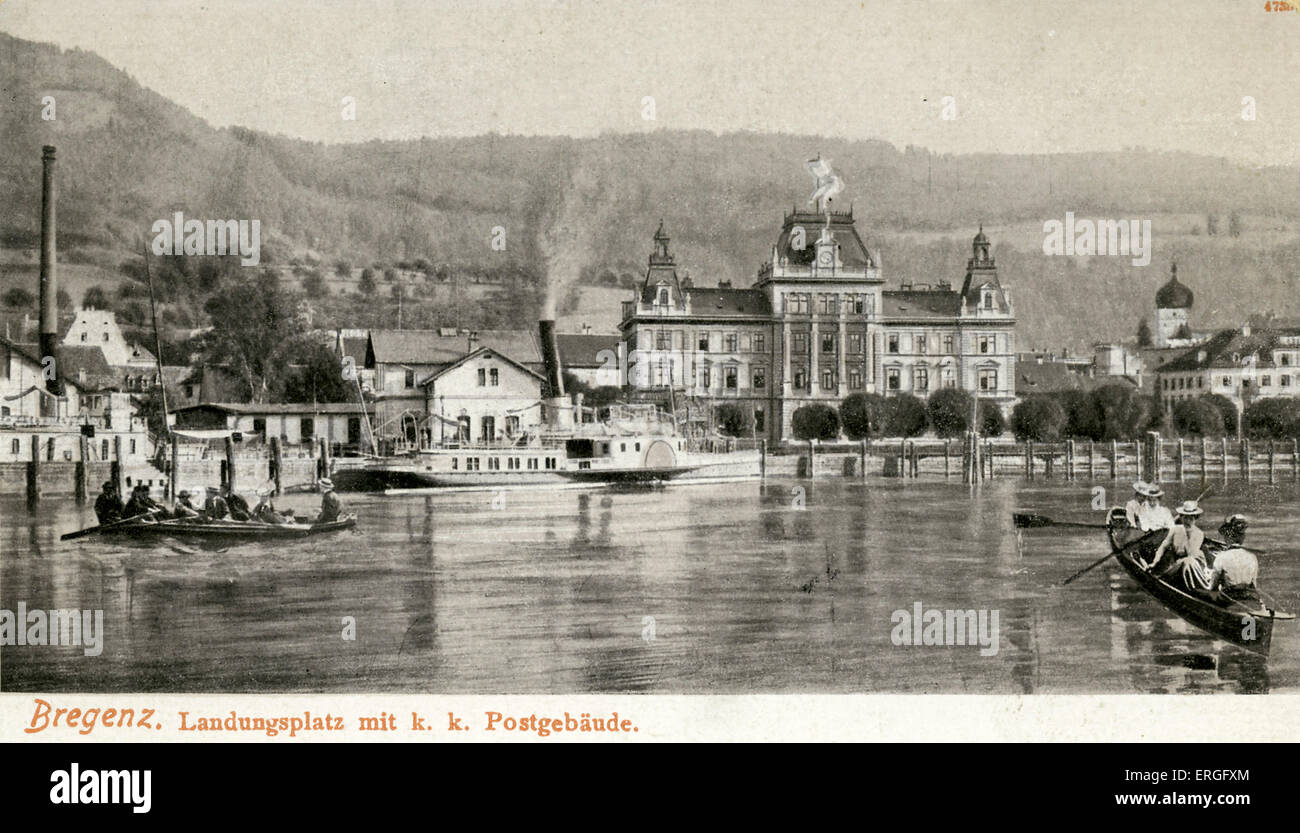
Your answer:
<point x="1173" y="308"/>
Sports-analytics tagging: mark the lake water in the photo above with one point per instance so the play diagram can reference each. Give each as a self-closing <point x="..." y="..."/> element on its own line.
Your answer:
<point x="781" y="587"/>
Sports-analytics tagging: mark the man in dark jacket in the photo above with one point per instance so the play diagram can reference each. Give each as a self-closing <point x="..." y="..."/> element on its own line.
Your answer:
<point x="108" y="506"/>
<point x="331" y="506"/>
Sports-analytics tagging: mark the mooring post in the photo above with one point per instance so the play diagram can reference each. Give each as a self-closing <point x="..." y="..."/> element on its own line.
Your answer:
<point x="80" y="472"/>
<point x="762" y="460"/>
<point x="945" y="458"/>
<point x="812" y="458"/>
<point x="862" y="459"/>
<point x="1029" y="458"/>
<point x="1295" y="459"/>
<point x="1114" y="459"/>
<point x="1090" y="462"/>
<point x="115" y="467"/>
<point x="324" y="457"/>
<point x="1178" y="461"/>
<point x="988" y="457"/>
<point x="1205" y="452"/>
<point x="1245" y="458"/>
<point x="276" y="460"/>
<point x="230" y="464"/>
<point x="1270" y="461"/>
<point x="34" y="473"/>
<point x="172" y="488"/>
<point x="1223" y="456"/>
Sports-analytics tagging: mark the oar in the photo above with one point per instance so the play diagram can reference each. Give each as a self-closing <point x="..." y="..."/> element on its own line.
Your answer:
<point x="91" y="530"/>
<point x="1031" y="520"/>
<point x="1094" y="564"/>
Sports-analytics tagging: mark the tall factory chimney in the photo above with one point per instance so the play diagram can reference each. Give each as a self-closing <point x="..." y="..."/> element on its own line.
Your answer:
<point x="559" y="408"/>
<point x="49" y="280"/>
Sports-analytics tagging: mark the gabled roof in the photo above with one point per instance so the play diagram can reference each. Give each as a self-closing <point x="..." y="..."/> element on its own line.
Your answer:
<point x="722" y="301"/>
<point x="584" y="350"/>
<point x="275" y="408"/>
<point x="430" y="347"/>
<point x="482" y="351"/>
<point x="1220" y="349"/>
<point x="86" y="367"/>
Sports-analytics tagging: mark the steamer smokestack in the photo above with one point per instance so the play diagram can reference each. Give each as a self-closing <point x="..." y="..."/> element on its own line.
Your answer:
<point x="551" y="359"/>
<point x="49" y="273"/>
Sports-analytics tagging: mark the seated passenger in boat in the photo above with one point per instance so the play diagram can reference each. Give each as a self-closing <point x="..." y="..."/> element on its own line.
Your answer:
<point x="1233" y="530"/>
<point x="141" y="504"/>
<point x="1158" y="515"/>
<point x="185" y="507"/>
<point x="239" y="509"/>
<point x="1235" y="571"/>
<point x="1135" y="509"/>
<point x="265" y="512"/>
<point x="331" y="506"/>
<point x="108" y="506"/>
<point x="1186" y="542"/>
<point x="215" y="508"/>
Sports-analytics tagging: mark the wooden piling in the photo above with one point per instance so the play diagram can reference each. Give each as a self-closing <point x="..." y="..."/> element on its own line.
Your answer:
<point x="1029" y="459"/>
<point x="945" y="459"/>
<point x="1090" y="462"/>
<point x="1114" y="459"/>
<point x="812" y="458"/>
<point x="172" y="487"/>
<point x="34" y="473"/>
<point x="1178" y="461"/>
<point x="762" y="462"/>
<point x="1295" y="459"/>
<point x="1270" y="461"/>
<point x="1069" y="459"/>
<point x="1205" y="453"/>
<point x="1244" y="448"/>
<point x="115" y="467"/>
<point x="989" y="457"/>
<point x="862" y="459"/>
<point x="81" y="472"/>
<point x="1223" y="457"/>
<point x="324" y="457"/>
<point x="276" y="465"/>
<point x="230" y="464"/>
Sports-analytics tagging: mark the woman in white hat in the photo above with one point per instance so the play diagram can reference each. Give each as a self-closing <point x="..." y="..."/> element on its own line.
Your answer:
<point x="1135" y="509"/>
<point x="331" y="506"/>
<point x="1157" y="514"/>
<point x="1187" y="542"/>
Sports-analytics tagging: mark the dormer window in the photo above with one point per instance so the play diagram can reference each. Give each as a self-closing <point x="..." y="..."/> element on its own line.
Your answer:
<point x="83" y="336"/>
<point x="988" y="299"/>
<point x="663" y="296"/>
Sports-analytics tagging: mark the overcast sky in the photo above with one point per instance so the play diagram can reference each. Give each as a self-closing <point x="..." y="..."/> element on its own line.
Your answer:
<point x="1024" y="76"/>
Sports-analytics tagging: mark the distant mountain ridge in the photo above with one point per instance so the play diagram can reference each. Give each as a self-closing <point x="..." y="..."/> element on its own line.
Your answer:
<point x="128" y="156"/>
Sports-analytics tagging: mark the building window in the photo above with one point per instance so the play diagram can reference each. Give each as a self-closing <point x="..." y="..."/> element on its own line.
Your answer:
<point x="83" y="336"/>
<point x="828" y="380"/>
<point x="306" y="428"/>
<point x="708" y="377"/>
<point x="801" y="378"/>
<point x="663" y="296"/>
<point x="1265" y="382"/>
<point x="482" y="377"/>
<point x="18" y="447"/>
<point x="855" y="379"/>
<point x="760" y="420"/>
<point x="947" y="344"/>
<point x="987" y="344"/>
<point x="105" y="338"/>
<point x="760" y="378"/>
<point x="1227" y="382"/>
<point x="893" y="344"/>
<point x="798" y="342"/>
<point x="949" y="377"/>
<point x="703" y="343"/>
<point x="494" y="377"/>
<point x="828" y="342"/>
<point x="861" y="304"/>
<point x="988" y="380"/>
<point x="1200" y="381"/>
<point x="797" y="303"/>
<point x="731" y="344"/>
<point x="828" y="304"/>
<point x="922" y="344"/>
<point x="730" y="376"/>
<point x="855" y="343"/>
<point x="988" y="299"/>
<point x="760" y="342"/>
<point x="1284" y="381"/>
<point x="663" y="340"/>
<point x="1286" y="360"/>
<point x="921" y="377"/>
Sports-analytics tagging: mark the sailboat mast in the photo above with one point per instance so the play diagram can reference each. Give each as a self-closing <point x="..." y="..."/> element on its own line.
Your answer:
<point x="157" y="343"/>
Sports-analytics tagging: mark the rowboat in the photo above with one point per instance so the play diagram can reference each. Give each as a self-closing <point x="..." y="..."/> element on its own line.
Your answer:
<point x="223" y="529"/>
<point x="1245" y="622"/>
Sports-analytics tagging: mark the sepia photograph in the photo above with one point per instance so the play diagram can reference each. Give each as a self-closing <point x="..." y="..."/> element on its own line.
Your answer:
<point x="524" y="349"/>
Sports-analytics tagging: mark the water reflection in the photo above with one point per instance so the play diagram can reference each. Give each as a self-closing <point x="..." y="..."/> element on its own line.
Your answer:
<point x="781" y="586"/>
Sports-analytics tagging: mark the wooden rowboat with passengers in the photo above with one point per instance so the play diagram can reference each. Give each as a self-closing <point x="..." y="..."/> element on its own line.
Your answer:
<point x="1245" y="620"/>
<point x="223" y="529"/>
